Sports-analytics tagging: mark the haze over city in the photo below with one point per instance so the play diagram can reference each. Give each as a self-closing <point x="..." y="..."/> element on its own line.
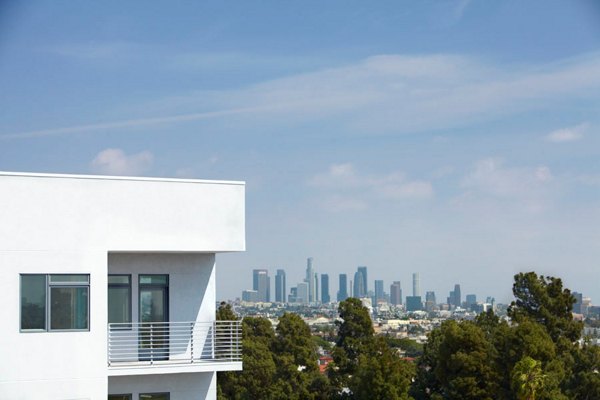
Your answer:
<point x="457" y="139"/>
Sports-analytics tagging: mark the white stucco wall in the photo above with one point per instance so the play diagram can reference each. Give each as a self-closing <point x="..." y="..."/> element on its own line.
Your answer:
<point x="189" y="386"/>
<point x="65" y="224"/>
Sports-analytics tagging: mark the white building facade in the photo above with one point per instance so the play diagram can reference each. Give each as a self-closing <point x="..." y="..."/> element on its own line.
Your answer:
<point x="108" y="285"/>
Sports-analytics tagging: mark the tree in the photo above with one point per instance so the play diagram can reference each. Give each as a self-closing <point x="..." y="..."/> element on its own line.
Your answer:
<point x="585" y="380"/>
<point x="543" y="300"/>
<point x="295" y="354"/>
<point x="460" y="363"/>
<point x="225" y="312"/>
<point x="527" y="378"/>
<point x="355" y="335"/>
<point x="257" y="380"/>
<point x="381" y="375"/>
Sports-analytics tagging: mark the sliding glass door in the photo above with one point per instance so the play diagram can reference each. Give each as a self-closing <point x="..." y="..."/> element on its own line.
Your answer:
<point x="154" y="317"/>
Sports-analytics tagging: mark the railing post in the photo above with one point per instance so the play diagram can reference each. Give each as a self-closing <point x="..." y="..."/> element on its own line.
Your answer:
<point x="192" y="342"/>
<point x="151" y="344"/>
<point x="214" y="336"/>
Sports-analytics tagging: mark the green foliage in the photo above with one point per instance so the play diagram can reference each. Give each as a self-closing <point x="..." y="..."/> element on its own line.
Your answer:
<point x="585" y="380"/>
<point x="409" y="346"/>
<point x="365" y="367"/>
<point x="381" y="375"/>
<point x="225" y="313"/>
<point x="527" y="378"/>
<point x="279" y="364"/>
<point x="543" y="300"/>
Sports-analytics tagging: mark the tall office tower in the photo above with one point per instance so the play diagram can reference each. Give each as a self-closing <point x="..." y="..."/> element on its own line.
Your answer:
<point x="325" y="298"/>
<point x="471" y="300"/>
<point x="457" y="296"/>
<point x="302" y="292"/>
<point x="363" y="273"/>
<point x="379" y="293"/>
<point x="342" y="293"/>
<point x="262" y="284"/>
<point x="430" y="302"/>
<point x="317" y="289"/>
<point x="310" y="280"/>
<point x="359" y="286"/>
<point x="416" y="285"/>
<point x="280" y="286"/>
<point x="396" y="293"/>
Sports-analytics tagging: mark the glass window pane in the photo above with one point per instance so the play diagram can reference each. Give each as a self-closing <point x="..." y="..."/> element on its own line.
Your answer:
<point x="118" y="279"/>
<point x="69" y="278"/>
<point x="154" y="280"/>
<point x="119" y="397"/>
<point x="33" y="301"/>
<point x="119" y="304"/>
<point x="69" y="307"/>
<point x="154" y="396"/>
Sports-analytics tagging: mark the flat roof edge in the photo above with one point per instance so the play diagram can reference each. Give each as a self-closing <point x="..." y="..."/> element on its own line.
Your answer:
<point x="118" y="178"/>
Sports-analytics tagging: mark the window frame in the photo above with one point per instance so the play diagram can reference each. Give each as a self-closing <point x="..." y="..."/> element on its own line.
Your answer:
<point x="128" y="395"/>
<point x="47" y="314"/>
<point x="154" y="393"/>
<point x="129" y="286"/>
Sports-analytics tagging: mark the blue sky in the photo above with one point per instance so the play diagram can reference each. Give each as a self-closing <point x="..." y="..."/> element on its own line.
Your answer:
<point x="458" y="139"/>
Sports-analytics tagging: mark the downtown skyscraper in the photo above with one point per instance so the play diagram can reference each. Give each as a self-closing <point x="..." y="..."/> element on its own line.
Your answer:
<point x="342" y="293"/>
<point x="416" y="285"/>
<point x="360" y="282"/>
<point x="280" y="286"/>
<point x="311" y="281"/>
<point x="325" y="298"/>
<point x="262" y="284"/>
<point x="396" y="293"/>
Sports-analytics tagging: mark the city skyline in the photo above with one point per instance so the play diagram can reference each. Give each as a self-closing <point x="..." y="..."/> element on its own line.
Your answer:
<point x="300" y="289"/>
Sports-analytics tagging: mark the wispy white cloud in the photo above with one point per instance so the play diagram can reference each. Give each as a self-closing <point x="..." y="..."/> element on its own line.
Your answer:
<point x="116" y="162"/>
<point x="354" y="190"/>
<point x="381" y="94"/>
<point x="525" y="187"/>
<point x="569" y="134"/>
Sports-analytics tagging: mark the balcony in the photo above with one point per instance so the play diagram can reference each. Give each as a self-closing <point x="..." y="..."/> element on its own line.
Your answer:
<point x="168" y="347"/>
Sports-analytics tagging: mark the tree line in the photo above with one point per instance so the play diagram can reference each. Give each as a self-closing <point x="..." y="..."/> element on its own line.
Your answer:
<point x="537" y="354"/>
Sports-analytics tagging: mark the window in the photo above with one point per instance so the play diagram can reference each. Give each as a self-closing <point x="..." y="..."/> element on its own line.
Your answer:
<point x="57" y="302"/>
<point x="119" y="300"/>
<point x="154" y="396"/>
<point x="119" y="397"/>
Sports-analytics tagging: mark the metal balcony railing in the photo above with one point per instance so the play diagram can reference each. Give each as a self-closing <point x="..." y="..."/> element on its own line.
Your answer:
<point x="148" y="343"/>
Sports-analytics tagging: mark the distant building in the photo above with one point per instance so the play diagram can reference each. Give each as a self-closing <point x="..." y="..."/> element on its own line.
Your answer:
<point x="310" y="281"/>
<point x="430" y="302"/>
<point x="379" y="292"/>
<point x="343" y="291"/>
<point x="454" y="299"/>
<point x="251" y="296"/>
<point x="325" y="298"/>
<point x="302" y="293"/>
<point x="413" y="303"/>
<point x="262" y="284"/>
<point x="280" y="286"/>
<point x="360" y="283"/>
<point x="396" y="293"/>
<point x="293" y="296"/>
<point x="470" y="300"/>
<point x="416" y="285"/>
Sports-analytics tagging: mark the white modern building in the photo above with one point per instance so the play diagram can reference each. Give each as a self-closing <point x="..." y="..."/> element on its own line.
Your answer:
<point x="108" y="286"/>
